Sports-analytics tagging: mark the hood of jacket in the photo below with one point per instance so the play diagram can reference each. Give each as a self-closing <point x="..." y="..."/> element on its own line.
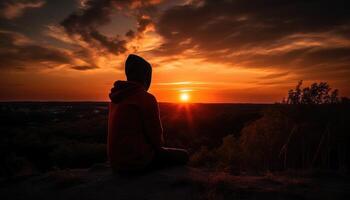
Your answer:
<point x="123" y="89"/>
<point x="138" y="70"/>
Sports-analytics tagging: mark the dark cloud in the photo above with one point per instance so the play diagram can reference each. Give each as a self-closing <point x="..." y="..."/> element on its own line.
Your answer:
<point x="94" y="13"/>
<point x="83" y="67"/>
<point x="16" y="52"/>
<point x="143" y="23"/>
<point x="260" y="33"/>
<point x="275" y="75"/>
<point x="130" y="34"/>
<point x="11" y="9"/>
<point x="112" y="45"/>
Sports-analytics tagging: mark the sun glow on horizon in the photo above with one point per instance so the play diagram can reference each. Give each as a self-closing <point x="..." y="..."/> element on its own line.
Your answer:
<point x="184" y="97"/>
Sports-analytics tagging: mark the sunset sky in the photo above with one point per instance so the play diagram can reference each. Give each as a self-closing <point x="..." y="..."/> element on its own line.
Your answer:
<point x="213" y="50"/>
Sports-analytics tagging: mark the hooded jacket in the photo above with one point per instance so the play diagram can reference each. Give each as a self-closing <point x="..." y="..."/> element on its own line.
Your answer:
<point x="134" y="127"/>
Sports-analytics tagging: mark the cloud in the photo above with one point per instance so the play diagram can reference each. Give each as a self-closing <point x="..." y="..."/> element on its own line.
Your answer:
<point x="92" y="14"/>
<point x="282" y="34"/>
<point x="275" y="75"/>
<point x="83" y="67"/>
<point x="12" y="9"/>
<point x="17" y="52"/>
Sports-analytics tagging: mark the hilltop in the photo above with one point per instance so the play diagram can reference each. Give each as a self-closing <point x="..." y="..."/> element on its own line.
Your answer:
<point x="98" y="182"/>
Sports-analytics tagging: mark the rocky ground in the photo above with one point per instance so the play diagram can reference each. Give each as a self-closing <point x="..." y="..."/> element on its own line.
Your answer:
<point x="98" y="182"/>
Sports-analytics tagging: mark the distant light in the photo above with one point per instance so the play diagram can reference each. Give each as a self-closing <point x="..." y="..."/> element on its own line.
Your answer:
<point x="184" y="97"/>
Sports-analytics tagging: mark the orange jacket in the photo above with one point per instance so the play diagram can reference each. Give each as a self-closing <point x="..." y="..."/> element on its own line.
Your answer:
<point x="134" y="127"/>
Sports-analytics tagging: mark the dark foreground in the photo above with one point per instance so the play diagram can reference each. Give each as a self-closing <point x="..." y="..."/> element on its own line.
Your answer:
<point x="38" y="137"/>
<point x="237" y="151"/>
<point x="178" y="183"/>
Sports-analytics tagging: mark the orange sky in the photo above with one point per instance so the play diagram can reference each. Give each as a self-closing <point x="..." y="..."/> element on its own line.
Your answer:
<point x="213" y="52"/>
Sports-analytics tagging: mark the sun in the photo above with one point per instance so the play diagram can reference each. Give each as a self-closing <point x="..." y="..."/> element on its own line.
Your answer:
<point x="184" y="97"/>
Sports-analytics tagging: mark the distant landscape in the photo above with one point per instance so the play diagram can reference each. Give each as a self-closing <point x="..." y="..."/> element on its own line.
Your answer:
<point x="37" y="137"/>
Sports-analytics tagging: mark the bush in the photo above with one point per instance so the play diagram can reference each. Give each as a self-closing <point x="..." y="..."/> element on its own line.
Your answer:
<point x="298" y="137"/>
<point x="262" y="140"/>
<point x="286" y="137"/>
<point x="229" y="154"/>
<point x="226" y="157"/>
<point x="204" y="158"/>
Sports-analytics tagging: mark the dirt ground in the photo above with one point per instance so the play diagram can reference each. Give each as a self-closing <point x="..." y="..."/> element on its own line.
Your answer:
<point x="99" y="182"/>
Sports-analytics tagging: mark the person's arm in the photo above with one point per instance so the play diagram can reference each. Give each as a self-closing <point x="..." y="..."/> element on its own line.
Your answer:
<point x="153" y="125"/>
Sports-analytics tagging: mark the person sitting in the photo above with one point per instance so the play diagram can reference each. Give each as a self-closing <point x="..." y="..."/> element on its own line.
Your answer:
<point x="135" y="134"/>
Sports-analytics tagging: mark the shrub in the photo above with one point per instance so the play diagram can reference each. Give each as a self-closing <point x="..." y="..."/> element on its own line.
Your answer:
<point x="229" y="154"/>
<point x="226" y="157"/>
<point x="262" y="140"/>
<point x="203" y="158"/>
<point x="298" y="137"/>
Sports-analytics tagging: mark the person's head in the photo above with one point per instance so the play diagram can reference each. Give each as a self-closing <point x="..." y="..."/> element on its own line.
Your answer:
<point x="138" y="70"/>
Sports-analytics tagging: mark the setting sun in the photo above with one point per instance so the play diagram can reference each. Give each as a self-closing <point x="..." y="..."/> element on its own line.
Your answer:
<point x="184" y="97"/>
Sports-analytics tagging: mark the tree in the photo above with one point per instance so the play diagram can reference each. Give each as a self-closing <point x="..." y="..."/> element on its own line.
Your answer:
<point x="334" y="96"/>
<point x="317" y="93"/>
<point x="294" y="95"/>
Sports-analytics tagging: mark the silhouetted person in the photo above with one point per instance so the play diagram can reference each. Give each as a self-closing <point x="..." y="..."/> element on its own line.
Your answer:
<point x="135" y="135"/>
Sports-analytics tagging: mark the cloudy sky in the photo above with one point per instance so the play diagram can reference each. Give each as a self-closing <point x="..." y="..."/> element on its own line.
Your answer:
<point x="214" y="50"/>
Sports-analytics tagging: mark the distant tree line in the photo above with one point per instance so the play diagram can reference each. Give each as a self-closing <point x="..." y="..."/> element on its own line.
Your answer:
<point x="316" y="93"/>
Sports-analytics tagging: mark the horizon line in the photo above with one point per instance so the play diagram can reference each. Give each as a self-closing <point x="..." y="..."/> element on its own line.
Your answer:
<point x="87" y="101"/>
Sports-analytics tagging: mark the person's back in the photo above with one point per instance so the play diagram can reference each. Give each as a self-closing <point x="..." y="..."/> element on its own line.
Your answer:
<point x="128" y="148"/>
<point x="135" y="136"/>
